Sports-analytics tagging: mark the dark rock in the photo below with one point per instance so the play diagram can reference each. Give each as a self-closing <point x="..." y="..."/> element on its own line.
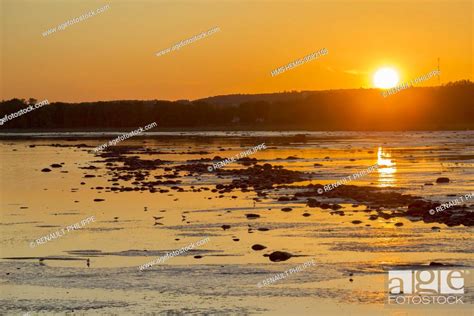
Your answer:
<point x="258" y="247"/>
<point x="299" y="138"/>
<point x="313" y="203"/>
<point x="278" y="256"/>
<point x="442" y="180"/>
<point x="419" y="208"/>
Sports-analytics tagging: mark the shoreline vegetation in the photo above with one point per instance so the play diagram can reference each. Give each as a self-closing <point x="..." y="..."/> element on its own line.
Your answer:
<point x="442" y="108"/>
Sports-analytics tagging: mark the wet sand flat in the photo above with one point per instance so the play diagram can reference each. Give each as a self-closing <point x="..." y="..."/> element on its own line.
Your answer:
<point x="150" y="196"/>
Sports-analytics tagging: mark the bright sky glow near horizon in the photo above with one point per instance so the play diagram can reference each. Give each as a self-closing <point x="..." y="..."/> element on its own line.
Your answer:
<point x="111" y="56"/>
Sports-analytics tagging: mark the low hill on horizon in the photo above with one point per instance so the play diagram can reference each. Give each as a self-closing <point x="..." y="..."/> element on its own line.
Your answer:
<point x="447" y="107"/>
<point x="236" y="99"/>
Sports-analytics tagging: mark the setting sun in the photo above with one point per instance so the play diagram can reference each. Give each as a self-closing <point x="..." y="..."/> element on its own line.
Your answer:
<point x="385" y="78"/>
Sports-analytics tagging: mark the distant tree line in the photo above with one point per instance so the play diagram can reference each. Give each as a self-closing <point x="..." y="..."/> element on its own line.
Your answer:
<point x="448" y="107"/>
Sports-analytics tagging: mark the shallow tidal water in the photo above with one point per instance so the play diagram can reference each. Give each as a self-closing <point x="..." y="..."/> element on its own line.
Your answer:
<point x="351" y="260"/>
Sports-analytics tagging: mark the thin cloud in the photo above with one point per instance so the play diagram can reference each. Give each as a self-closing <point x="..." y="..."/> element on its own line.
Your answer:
<point x="355" y="72"/>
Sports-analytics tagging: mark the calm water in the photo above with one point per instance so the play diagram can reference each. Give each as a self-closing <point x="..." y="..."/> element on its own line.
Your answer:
<point x="124" y="235"/>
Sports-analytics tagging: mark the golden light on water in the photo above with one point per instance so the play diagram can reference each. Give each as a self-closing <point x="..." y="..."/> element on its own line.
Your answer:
<point x="387" y="168"/>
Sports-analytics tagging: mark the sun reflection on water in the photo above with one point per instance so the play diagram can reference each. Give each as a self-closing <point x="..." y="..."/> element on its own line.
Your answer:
<point x="387" y="168"/>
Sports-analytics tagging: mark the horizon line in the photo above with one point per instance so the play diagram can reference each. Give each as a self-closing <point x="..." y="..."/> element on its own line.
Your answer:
<point x="247" y="94"/>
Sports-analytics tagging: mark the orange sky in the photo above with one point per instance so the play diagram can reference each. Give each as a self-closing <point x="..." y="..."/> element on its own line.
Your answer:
<point x="110" y="56"/>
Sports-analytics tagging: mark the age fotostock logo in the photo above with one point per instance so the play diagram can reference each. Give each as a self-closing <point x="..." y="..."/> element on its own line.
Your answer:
<point x="423" y="287"/>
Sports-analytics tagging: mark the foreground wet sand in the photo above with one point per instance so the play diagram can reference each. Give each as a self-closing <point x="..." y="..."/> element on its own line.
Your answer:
<point x="151" y="196"/>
